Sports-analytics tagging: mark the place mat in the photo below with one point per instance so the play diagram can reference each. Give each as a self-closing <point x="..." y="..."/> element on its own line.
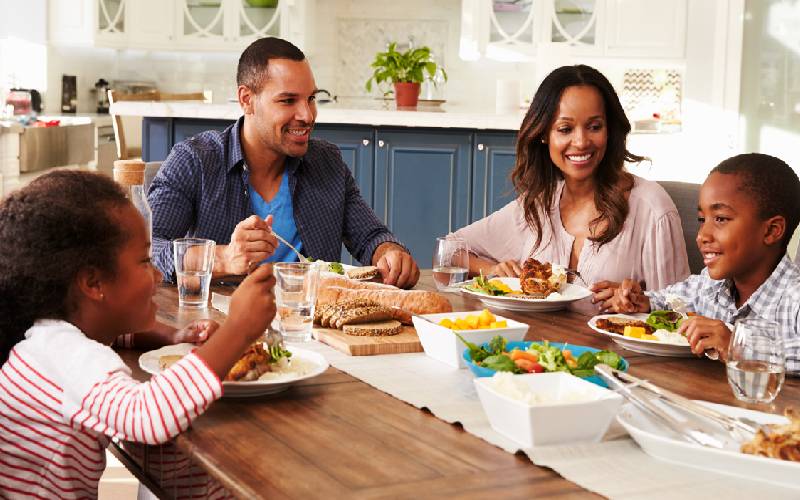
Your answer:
<point x="615" y="467"/>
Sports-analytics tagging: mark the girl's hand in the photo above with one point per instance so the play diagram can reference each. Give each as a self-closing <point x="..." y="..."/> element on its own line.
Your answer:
<point x="253" y="303"/>
<point x="706" y="333"/>
<point x="628" y="298"/>
<point x="195" y="332"/>
<point x="509" y="269"/>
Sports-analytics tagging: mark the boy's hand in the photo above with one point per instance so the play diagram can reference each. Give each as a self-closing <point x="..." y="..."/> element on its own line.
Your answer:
<point x="253" y="303"/>
<point x="628" y="298"/>
<point x="704" y="334"/>
<point x="196" y="332"/>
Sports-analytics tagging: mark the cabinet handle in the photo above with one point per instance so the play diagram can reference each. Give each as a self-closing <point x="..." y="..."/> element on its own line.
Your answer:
<point x="480" y="147"/>
<point x="381" y="144"/>
<point x="365" y="142"/>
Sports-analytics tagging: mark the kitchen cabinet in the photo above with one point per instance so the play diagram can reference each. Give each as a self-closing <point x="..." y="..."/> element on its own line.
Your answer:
<point x="421" y="182"/>
<point x="422" y="185"/>
<point x="356" y="145"/>
<point x="516" y="30"/>
<point x="494" y="157"/>
<point x="225" y="25"/>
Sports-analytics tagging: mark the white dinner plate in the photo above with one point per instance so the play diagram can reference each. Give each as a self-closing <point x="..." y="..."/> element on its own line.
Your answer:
<point x="570" y="292"/>
<point x="664" y="444"/>
<point x="653" y="347"/>
<point x="316" y="363"/>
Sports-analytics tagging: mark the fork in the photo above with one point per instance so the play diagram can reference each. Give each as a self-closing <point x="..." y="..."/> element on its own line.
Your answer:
<point x="577" y="274"/>
<point x="292" y="248"/>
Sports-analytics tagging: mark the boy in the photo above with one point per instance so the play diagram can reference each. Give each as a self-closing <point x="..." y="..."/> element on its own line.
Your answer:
<point x="748" y="210"/>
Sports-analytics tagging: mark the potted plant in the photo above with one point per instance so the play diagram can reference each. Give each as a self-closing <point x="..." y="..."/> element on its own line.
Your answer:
<point x="406" y="71"/>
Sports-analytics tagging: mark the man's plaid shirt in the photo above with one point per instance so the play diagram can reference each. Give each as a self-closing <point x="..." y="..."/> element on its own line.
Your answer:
<point x="777" y="299"/>
<point x="201" y="191"/>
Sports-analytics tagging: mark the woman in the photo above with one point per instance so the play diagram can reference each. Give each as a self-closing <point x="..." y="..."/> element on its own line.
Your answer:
<point x="577" y="205"/>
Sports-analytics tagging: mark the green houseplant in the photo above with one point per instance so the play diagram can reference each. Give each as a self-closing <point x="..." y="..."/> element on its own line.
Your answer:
<point x="406" y="71"/>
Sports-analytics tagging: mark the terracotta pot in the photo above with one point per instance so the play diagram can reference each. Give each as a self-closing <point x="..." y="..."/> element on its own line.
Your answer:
<point x="406" y="94"/>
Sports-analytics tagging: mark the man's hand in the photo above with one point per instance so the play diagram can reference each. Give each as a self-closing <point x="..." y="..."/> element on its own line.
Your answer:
<point x="628" y="298"/>
<point x="704" y="334"/>
<point x="509" y="268"/>
<point x="396" y="265"/>
<point x="251" y="242"/>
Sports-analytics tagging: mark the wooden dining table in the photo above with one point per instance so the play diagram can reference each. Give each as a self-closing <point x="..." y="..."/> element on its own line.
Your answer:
<point x="334" y="436"/>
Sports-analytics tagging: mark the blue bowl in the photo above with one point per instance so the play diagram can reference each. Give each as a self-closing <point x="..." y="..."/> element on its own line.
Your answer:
<point x="577" y="350"/>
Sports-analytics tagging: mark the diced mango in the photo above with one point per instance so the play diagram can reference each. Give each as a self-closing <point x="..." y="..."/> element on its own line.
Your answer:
<point x="473" y="321"/>
<point x="485" y="318"/>
<point x="634" y="331"/>
<point x="461" y="324"/>
<point x="498" y="324"/>
<point x="649" y="337"/>
<point x="447" y="323"/>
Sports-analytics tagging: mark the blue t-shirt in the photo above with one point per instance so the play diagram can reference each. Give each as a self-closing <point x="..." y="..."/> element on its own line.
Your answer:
<point x="282" y="220"/>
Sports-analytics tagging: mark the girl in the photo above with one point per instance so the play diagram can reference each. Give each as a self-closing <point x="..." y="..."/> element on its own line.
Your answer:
<point x="577" y="205"/>
<point x="75" y="274"/>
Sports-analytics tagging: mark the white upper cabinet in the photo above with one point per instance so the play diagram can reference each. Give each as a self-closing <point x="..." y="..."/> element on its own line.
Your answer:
<point x="514" y="30"/>
<point x="176" y="24"/>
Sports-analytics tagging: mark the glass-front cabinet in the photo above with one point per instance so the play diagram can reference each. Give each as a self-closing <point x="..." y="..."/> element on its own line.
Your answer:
<point x="110" y="18"/>
<point x="516" y="30"/>
<point x="202" y="22"/>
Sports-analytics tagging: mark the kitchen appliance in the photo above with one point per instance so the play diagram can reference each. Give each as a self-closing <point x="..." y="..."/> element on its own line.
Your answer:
<point x="69" y="94"/>
<point x="25" y="101"/>
<point x="101" y="93"/>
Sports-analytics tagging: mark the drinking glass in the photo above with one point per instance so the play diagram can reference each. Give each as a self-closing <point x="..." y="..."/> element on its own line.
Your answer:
<point x="194" y="262"/>
<point x="450" y="263"/>
<point x="295" y="294"/>
<point x="756" y="360"/>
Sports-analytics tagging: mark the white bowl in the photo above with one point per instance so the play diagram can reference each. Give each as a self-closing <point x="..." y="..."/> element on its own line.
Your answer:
<point x="549" y="423"/>
<point x="441" y="344"/>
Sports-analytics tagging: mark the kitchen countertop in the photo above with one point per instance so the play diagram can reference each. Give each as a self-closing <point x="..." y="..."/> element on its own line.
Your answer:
<point x="351" y="111"/>
<point x="100" y="120"/>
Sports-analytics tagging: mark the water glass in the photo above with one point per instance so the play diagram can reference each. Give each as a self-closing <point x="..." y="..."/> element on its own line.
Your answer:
<point x="295" y="294"/>
<point x="450" y="263"/>
<point x="194" y="262"/>
<point x="756" y="360"/>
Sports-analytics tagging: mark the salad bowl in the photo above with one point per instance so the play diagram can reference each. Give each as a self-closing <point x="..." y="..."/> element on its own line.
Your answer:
<point x="577" y="351"/>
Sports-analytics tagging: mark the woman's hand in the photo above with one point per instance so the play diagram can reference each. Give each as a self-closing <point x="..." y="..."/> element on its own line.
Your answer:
<point x="705" y="334"/>
<point x="509" y="269"/>
<point x="196" y="332"/>
<point x="603" y="291"/>
<point x="628" y="298"/>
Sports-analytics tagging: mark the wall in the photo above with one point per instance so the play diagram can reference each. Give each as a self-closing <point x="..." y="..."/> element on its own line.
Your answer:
<point x="23" y="44"/>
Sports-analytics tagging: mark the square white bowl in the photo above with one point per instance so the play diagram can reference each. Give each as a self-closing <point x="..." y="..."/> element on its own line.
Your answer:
<point x="549" y="423"/>
<point x="441" y="344"/>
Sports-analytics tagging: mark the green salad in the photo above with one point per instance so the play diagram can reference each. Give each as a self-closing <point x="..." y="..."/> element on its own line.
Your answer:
<point x="538" y="358"/>
<point x="334" y="267"/>
<point x="664" y="320"/>
<point x="483" y="285"/>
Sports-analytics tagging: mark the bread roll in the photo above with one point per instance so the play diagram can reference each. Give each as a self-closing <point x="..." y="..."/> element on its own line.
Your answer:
<point x="413" y="301"/>
<point x="343" y="282"/>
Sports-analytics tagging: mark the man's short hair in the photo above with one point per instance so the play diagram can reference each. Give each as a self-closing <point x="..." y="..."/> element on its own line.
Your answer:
<point x="252" y="69"/>
<point x="771" y="182"/>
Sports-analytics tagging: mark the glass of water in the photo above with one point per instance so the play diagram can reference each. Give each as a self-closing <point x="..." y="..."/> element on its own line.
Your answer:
<point x="450" y="263"/>
<point x="295" y="294"/>
<point x="756" y="360"/>
<point x="194" y="262"/>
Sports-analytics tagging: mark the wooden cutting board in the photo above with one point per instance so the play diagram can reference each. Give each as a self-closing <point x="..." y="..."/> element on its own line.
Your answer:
<point x="405" y="341"/>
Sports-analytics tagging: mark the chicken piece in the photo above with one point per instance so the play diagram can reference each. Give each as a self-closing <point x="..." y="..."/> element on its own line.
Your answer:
<point x="253" y="363"/>
<point x="537" y="279"/>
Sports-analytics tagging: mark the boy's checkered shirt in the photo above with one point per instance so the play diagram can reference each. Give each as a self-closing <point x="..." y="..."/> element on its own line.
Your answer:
<point x="777" y="299"/>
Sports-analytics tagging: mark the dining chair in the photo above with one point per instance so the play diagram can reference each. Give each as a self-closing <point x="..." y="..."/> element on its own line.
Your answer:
<point x="123" y="152"/>
<point x="685" y="196"/>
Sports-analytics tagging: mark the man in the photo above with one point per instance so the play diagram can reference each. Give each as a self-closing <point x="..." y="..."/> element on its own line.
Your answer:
<point x="265" y="174"/>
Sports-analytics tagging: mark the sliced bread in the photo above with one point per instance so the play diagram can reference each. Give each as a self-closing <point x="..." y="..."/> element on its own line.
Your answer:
<point x="383" y="328"/>
<point x="362" y="273"/>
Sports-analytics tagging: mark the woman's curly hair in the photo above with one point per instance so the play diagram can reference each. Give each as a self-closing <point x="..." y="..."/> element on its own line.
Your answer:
<point x="535" y="176"/>
<point x="59" y="224"/>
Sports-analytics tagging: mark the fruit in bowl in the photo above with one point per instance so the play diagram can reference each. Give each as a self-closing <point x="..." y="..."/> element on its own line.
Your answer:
<point x="538" y="357"/>
<point x="437" y="332"/>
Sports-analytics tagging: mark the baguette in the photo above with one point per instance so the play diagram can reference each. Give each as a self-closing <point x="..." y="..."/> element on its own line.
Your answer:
<point x="412" y="301"/>
<point x="343" y="282"/>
